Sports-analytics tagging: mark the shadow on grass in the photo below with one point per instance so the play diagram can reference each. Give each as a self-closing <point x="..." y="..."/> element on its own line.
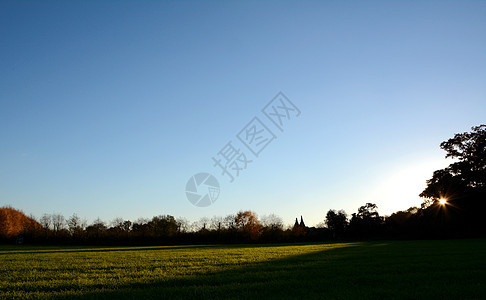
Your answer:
<point x="403" y="270"/>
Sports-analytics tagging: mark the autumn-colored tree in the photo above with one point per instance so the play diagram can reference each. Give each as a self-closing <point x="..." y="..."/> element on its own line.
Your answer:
<point x="248" y="224"/>
<point x="14" y="222"/>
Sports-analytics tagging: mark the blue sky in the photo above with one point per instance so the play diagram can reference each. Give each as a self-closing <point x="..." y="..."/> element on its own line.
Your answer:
<point x="107" y="109"/>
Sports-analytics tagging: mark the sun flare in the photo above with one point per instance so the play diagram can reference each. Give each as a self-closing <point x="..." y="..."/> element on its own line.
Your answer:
<point x="442" y="201"/>
<point x="403" y="183"/>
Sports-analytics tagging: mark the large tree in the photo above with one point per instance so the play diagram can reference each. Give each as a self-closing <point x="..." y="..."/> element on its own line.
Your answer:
<point x="458" y="191"/>
<point x="336" y="222"/>
<point x="14" y="222"/>
<point x="467" y="173"/>
<point x="248" y="224"/>
<point x="367" y="222"/>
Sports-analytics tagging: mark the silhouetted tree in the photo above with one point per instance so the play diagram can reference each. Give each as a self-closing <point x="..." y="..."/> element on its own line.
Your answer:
<point x="120" y="230"/>
<point x="462" y="185"/>
<point x="201" y="225"/>
<point x="141" y="229"/>
<point x="216" y="223"/>
<point x="183" y="225"/>
<point x="46" y="221"/>
<point x="73" y="224"/>
<point x="336" y="222"/>
<point x="230" y="222"/>
<point x="367" y="222"/>
<point x="96" y="230"/>
<point x="403" y="224"/>
<point x="163" y="226"/>
<point x="272" y="228"/>
<point x="76" y="227"/>
<point x="57" y="222"/>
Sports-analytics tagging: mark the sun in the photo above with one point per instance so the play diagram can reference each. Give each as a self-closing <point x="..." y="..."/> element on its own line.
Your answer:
<point x="442" y="201"/>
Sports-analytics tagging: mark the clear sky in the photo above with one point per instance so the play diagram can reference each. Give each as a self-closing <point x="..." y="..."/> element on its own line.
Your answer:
<point x="108" y="108"/>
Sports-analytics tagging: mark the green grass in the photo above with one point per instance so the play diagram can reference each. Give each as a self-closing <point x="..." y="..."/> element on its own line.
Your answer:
<point x="368" y="270"/>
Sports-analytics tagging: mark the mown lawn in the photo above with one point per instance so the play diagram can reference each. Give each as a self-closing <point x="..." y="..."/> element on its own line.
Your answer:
<point x="368" y="270"/>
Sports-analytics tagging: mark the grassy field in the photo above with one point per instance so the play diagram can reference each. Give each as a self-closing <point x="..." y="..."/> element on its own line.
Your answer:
<point x="397" y="269"/>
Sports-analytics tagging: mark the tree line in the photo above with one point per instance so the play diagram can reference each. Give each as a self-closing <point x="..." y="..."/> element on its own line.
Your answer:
<point x="454" y="205"/>
<point x="244" y="226"/>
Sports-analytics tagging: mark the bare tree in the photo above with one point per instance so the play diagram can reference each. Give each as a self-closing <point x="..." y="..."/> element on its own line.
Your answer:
<point x="201" y="224"/>
<point x="229" y="222"/>
<point x="46" y="221"/>
<point x="216" y="223"/>
<point x="74" y="224"/>
<point x="117" y="223"/>
<point x="183" y="224"/>
<point x="272" y="222"/>
<point x="57" y="222"/>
